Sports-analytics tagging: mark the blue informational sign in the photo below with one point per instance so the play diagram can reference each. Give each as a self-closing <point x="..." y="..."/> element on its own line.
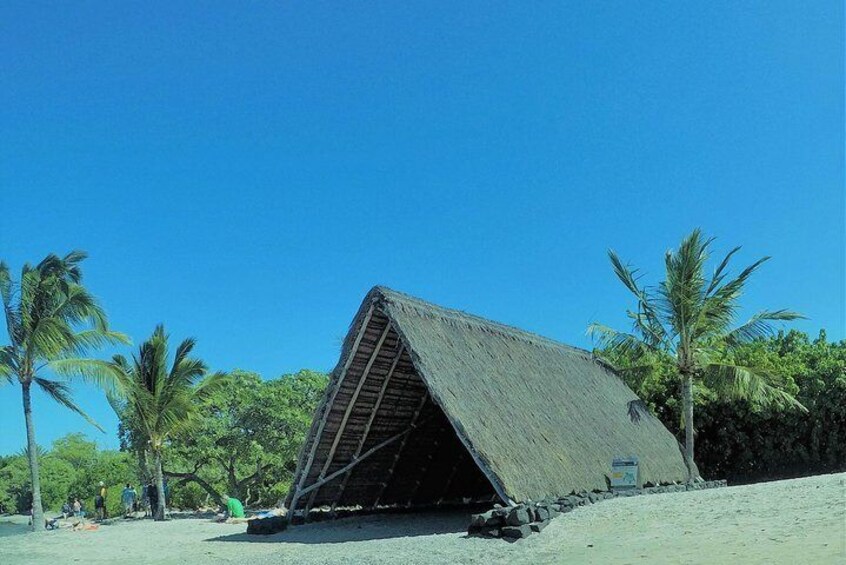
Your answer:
<point x="624" y="473"/>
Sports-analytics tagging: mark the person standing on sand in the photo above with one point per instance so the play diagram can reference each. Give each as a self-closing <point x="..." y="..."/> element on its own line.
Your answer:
<point x="128" y="498"/>
<point x="100" y="502"/>
<point x="153" y="498"/>
<point x="77" y="508"/>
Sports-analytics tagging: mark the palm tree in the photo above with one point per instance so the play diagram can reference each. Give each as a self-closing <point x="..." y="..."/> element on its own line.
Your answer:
<point x="687" y="318"/>
<point x="161" y="399"/>
<point x="52" y="320"/>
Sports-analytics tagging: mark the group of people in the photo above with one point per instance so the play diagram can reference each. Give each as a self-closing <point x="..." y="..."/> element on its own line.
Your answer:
<point x="73" y="509"/>
<point x="132" y="502"/>
<point x="129" y="498"/>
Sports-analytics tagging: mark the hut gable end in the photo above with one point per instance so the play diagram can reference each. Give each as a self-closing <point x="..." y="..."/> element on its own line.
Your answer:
<point x="430" y="406"/>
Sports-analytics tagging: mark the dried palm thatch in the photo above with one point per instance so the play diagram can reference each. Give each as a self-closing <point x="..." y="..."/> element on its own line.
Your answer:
<point x="431" y="406"/>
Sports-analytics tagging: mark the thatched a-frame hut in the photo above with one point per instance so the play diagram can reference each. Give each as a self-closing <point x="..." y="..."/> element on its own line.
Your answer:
<point x="429" y="406"/>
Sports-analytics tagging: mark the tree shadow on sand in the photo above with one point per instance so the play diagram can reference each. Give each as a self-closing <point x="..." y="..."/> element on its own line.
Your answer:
<point x="363" y="528"/>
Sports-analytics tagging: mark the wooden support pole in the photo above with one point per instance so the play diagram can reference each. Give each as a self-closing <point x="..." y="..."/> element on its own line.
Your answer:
<point x="350" y="405"/>
<point x="373" y="413"/>
<point x="401" y="447"/>
<point x="449" y="481"/>
<point x="355" y="462"/>
<point x="328" y="407"/>
<point x="422" y="472"/>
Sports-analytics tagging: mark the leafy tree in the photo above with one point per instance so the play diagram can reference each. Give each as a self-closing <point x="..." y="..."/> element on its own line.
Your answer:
<point x="686" y="321"/>
<point x="744" y="443"/>
<point x="70" y="469"/>
<point x="161" y="397"/>
<point x="92" y="465"/>
<point x="51" y="320"/>
<point x="248" y="436"/>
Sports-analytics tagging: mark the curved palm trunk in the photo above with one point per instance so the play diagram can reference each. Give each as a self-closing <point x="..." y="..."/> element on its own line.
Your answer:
<point x="159" y="513"/>
<point x="32" y="456"/>
<point x="687" y="386"/>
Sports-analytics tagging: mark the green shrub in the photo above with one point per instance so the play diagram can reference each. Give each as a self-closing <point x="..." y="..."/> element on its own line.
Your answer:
<point x="188" y="496"/>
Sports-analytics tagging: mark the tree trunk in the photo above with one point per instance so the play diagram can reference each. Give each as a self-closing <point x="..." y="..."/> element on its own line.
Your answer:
<point x="144" y="466"/>
<point x="159" y="513"/>
<point x="32" y="455"/>
<point x="687" y="388"/>
<point x="191" y="477"/>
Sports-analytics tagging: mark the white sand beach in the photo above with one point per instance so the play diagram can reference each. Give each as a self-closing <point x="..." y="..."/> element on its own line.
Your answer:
<point x="795" y="521"/>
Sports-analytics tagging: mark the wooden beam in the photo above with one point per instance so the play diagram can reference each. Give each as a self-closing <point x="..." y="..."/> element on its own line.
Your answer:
<point x="423" y="471"/>
<point x="350" y="405"/>
<point x="355" y="462"/>
<point x="373" y="413"/>
<point x="328" y="407"/>
<point x="448" y="481"/>
<point x="401" y="447"/>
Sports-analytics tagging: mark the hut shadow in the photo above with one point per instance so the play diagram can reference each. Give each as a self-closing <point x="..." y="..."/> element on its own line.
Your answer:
<point x="364" y="528"/>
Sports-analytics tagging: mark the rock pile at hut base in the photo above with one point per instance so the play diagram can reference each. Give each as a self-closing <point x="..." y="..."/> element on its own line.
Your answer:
<point x="267" y="526"/>
<point x="512" y="523"/>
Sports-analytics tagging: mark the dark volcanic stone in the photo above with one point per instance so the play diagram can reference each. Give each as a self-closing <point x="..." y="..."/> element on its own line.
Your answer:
<point x="542" y="514"/>
<point x="513" y="533"/>
<point x="267" y="526"/>
<point x="537" y="527"/>
<point x="478" y="520"/>
<point x="518" y="516"/>
<point x="495" y="519"/>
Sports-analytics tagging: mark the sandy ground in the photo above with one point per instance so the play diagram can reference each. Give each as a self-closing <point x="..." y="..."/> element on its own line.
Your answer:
<point x="797" y="521"/>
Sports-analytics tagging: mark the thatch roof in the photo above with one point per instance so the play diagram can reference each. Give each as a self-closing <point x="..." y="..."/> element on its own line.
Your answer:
<point x="430" y="405"/>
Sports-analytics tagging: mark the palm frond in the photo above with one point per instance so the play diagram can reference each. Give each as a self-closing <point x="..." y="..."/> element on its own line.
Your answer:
<point x="182" y="351"/>
<point x="93" y="371"/>
<point x="734" y="287"/>
<point x="759" y="326"/>
<point x="163" y="403"/>
<point x="621" y="344"/>
<point x="8" y="362"/>
<point x="719" y="272"/>
<point x="626" y="274"/>
<point x="211" y="385"/>
<point x="5" y="283"/>
<point x="94" y="339"/>
<point x="60" y="392"/>
<point x="754" y="385"/>
<point x="683" y="289"/>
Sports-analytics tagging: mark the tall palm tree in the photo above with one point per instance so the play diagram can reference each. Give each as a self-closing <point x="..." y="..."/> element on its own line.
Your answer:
<point x="52" y="321"/>
<point x="688" y="318"/>
<point x="161" y="399"/>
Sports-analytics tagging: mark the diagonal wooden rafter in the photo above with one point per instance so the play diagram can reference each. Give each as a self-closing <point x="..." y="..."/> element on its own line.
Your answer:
<point x="361" y="458"/>
<point x="401" y="448"/>
<point x="350" y="405"/>
<point x="328" y="408"/>
<point x="373" y="413"/>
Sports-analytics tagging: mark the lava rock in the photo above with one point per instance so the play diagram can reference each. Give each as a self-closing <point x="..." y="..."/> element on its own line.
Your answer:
<point x="267" y="526"/>
<point x="513" y="533"/>
<point x="538" y="527"/>
<point x="517" y="517"/>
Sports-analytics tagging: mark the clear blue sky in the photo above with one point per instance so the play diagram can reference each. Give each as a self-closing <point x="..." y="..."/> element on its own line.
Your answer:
<point x="244" y="173"/>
